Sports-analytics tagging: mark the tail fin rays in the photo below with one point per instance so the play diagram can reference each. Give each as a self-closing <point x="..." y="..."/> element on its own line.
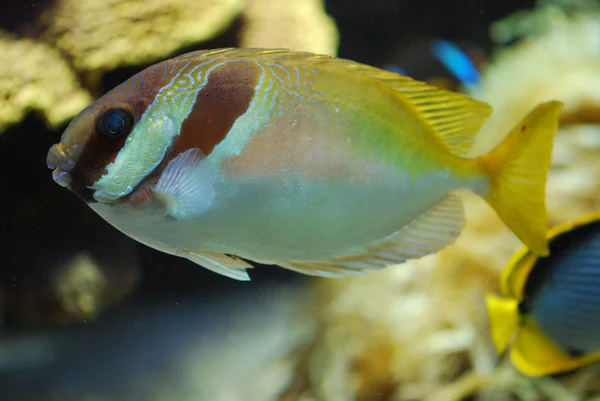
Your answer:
<point x="518" y="170"/>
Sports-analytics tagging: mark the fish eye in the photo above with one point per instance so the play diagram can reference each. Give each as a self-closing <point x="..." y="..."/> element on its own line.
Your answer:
<point x="115" y="123"/>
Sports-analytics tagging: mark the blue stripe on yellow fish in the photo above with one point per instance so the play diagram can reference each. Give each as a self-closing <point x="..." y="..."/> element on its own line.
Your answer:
<point x="319" y="165"/>
<point x="551" y="305"/>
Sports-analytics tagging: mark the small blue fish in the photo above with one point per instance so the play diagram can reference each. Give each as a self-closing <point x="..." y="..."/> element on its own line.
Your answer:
<point x="442" y="63"/>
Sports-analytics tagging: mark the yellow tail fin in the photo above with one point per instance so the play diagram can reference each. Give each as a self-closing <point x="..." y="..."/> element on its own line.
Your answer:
<point x="503" y="316"/>
<point x="518" y="170"/>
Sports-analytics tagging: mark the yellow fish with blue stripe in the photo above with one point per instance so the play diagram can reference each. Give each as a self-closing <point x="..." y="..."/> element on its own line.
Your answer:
<point x="550" y="307"/>
<point x="317" y="164"/>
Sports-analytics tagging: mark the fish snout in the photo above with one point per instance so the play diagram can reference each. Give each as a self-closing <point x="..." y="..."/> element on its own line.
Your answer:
<point x="58" y="158"/>
<point x="61" y="177"/>
<point x="59" y="161"/>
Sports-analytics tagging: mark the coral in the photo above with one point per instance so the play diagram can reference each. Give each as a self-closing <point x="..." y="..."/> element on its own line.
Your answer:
<point x="113" y="33"/>
<point x="76" y="285"/>
<point x="85" y="288"/>
<point x="103" y="36"/>
<point x="419" y="330"/>
<point x="36" y="78"/>
<point x="527" y="23"/>
<point x="564" y="73"/>
<point x="96" y="37"/>
<point x="300" y="25"/>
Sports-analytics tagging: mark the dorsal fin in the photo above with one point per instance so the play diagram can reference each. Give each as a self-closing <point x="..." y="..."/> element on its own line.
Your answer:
<point x="453" y="117"/>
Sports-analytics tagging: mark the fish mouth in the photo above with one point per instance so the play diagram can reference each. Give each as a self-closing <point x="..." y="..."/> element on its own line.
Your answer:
<point x="58" y="157"/>
<point x="62" y="164"/>
<point x="59" y="161"/>
<point x="61" y="177"/>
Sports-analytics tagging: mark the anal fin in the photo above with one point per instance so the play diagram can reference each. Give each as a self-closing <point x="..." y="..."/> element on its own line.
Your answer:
<point x="428" y="233"/>
<point x="328" y="270"/>
<point x="226" y="265"/>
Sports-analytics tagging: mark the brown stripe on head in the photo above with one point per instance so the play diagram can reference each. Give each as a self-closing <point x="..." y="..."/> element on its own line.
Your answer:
<point x="89" y="152"/>
<point x="225" y="97"/>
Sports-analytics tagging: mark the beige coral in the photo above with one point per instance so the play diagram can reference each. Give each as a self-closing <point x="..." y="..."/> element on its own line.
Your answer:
<point x="112" y="33"/>
<point x="544" y="67"/>
<point x="96" y="37"/>
<point x="85" y="287"/>
<point x="29" y="82"/>
<point x="300" y="25"/>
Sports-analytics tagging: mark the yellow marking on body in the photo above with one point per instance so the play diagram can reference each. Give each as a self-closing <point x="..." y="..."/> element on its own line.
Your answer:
<point x="534" y="354"/>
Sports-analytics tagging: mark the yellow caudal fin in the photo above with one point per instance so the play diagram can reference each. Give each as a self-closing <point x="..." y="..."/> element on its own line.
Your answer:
<point x="503" y="316"/>
<point x="518" y="170"/>
<point x="534" y="354"/>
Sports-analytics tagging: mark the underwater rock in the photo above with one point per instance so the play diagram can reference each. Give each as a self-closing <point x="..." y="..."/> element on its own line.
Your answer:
<point x="101" y="36"/>
<point x="300" y="25"/>
<point x="34" y="77"/>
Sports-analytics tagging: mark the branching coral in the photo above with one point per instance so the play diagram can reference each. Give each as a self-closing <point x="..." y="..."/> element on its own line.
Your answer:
<point x="35" y="77"/>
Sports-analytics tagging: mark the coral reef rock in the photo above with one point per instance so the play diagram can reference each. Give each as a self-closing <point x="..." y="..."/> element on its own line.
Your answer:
<point x="300" y="25"/>
<point x="34" y="77"/>
<point x="113" y="33"/>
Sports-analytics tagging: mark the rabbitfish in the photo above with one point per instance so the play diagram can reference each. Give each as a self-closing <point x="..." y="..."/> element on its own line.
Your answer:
<point x="317" y="164"/>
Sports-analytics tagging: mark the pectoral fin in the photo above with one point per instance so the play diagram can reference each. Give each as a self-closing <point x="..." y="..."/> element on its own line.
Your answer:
<point x="185" y="188"/>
